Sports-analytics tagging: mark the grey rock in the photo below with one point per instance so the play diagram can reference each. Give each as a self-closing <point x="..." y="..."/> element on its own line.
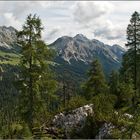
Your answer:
<point x="73" y="120"/>
<point x="7" y="36"/>
<point x="80" y="48"/>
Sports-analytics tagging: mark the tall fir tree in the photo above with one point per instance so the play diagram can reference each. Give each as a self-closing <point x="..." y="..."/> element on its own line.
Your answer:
<point x="114" y="86"/>
<point x="130" y="67"/>
<point x="96" y="92"/>
<point x="130" y="59"/>
<point x="96" y="83"/>
<point x="124" y="91"/>
<point x="1" y="73"/>
<point x="36" y="84"/>
<point x="114" y="82"/>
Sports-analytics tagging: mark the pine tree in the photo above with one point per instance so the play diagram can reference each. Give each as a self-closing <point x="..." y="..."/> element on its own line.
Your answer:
<point x="114" y="86"/>
<point x="125" y="95"/>
<point x="96" y="91"/>
<point x="1" y="73"/>
<point x="131" y="57"/>
<point x="130" y="66"/>
<point x="114" y="82"/>
<point x="96" y="83"/>
<point x="68" y="87"/>
<point x="36" y="84"/>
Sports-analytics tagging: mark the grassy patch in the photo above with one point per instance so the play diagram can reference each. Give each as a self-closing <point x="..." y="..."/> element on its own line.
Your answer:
<point x="13" y="59"/>
<point x="9" y="58"/>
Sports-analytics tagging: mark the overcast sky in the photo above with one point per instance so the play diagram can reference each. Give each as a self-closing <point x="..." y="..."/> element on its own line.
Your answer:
<point x="103" y="20"/>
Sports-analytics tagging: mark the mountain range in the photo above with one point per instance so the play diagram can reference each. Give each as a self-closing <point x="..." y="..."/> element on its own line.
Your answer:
<point x="73" y="54"/>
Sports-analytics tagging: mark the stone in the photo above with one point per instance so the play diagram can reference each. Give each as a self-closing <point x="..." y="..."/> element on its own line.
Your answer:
<point x="73" y="120"/>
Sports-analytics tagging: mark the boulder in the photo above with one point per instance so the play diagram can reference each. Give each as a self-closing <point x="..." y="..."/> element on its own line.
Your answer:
<point x="75" y="119"/>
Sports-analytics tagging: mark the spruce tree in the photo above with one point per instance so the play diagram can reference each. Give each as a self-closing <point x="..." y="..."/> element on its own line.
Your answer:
<point x="130" y="67"/>
<point x="1" y="73"/>
<point x="114" y="82"/>
<point x="36" y="85"/>
<point x="96" y="92"/>
<point x="114" y="86"/>
<point x="96" y="83"/>
<point x="130" y="63"/>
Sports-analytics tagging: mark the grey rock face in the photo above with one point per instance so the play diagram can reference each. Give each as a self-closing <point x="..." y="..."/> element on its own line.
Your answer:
<point x="83" y="49"/>
<point x="7" y="37"/>
<point x="73" y="120"/>
<point x="106" y="130"/>
<point x="78" y="48"/>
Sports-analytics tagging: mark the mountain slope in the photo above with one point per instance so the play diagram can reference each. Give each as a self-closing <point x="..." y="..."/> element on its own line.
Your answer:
<point x="74" y="54"/>
<point x="8" y="47"/>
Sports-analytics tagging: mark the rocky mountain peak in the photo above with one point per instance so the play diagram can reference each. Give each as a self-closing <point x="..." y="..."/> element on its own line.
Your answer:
<point x="80" y="48"/>
<point x="7" y="36"/>
<point x="7" y="33"/>
<point x="80" y="37"/>
<point x="73" y="53"/>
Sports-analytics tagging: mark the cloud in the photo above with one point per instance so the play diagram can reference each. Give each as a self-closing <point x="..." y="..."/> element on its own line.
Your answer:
<point x="16" y="8"/>
<point x="20" y="9"/>
<point x="13" y="13"/>
<point x="109" y="31"/>
<point x="51" y="34"/>
<point x="96" y="17"/>
<point x="8" y="19"/>
<point x="86" y="12"/>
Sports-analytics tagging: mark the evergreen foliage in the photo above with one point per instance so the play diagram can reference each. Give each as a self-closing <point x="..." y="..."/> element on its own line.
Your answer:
<point x="114" y="83"/>
<point x="27" y="110"/>
<point x="130" y="60"/>
<point x="130" y="68"/>
<point x="36" y="84"/>
<point x="96" y="83"/>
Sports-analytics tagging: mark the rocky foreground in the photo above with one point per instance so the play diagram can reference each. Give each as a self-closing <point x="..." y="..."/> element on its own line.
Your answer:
<point x="73" y="120"/>
<point x="64" y="123"/>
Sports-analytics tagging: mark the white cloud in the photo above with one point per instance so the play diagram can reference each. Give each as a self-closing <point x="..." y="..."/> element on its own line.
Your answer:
<point x="105" y="20"/>
<point x="8" y="19"/>
<point x="86" y="12"/>
<point x="96" y="18"/>
<point x="109" y="31"/>
<point x="52" y="34"/>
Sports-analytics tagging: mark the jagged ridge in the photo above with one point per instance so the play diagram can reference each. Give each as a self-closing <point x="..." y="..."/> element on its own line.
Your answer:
<point x="73" y="53"/>
<point x="83" y="49"/>
<point x="7" y="37"/>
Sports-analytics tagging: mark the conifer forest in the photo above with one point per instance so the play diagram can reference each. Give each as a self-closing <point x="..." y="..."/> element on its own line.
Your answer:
<point x="73" y="88"/>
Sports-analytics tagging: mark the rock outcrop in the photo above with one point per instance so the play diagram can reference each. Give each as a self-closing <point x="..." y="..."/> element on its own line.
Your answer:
<point x="106" y="130"/>
<point x="73" y="120"/>
<point x="76" y="120"/>
<point x="75" y="54"/>
<point x="80" y="48"/>
<point x="7" y="37"/>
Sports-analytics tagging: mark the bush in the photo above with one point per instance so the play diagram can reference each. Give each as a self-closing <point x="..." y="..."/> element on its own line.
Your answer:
<point x="15" y="131"/>
<point x="103" y="107"/>
<point x="73" y="103"/>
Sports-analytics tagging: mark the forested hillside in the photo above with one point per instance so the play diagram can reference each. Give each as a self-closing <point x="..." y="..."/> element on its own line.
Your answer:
<point x="73" y="88"/>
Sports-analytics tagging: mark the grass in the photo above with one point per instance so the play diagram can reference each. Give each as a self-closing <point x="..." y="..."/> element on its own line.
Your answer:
<point x="12" y="62"/>
<point x="2" y="53"/>
<point x="13" y="59"/>
<point x="9" y="58"/>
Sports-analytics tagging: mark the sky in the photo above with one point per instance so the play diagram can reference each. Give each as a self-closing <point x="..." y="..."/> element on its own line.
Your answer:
<point x="103" y="20"/>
